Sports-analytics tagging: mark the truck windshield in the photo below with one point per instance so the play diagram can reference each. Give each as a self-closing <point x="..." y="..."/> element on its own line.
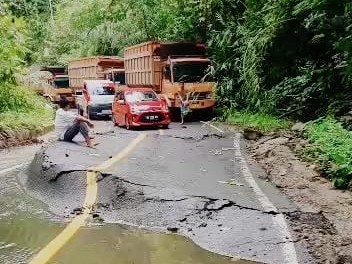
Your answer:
<point x="191" y="72"/>
<point x="61" y="83"/>
<point x="119" y="77"/>
<point x="102" y="90"/>
<point x="133" y="97"/>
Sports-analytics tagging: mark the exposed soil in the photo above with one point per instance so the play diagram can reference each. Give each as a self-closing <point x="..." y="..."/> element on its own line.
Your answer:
<point x="16" y="139"/>
<point x="325" y="214"/>
<point x="21" y="138"/>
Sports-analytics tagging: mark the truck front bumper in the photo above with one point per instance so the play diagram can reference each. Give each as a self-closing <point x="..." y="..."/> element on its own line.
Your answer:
<point x="201" y="104"/>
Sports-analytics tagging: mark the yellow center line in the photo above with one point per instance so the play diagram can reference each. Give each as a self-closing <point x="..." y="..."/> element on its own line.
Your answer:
<point x="91" y="195"/>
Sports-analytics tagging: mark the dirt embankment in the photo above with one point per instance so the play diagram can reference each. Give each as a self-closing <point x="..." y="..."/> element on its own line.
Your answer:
<point x="20" y="138"/>
<point x="324" y="218"/>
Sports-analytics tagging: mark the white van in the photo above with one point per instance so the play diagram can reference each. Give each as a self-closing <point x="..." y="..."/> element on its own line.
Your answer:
<point x="96" y="99"/>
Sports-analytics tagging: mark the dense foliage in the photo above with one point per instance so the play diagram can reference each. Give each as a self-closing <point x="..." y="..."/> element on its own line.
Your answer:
<point x="332" y="147"/>
<point x="286" y="57"/>
<point x="105" y="27"/>
<point x="12" y="54"/>
<point x="20" y="108"/>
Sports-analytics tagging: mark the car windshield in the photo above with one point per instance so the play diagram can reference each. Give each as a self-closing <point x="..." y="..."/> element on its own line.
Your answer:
<point x="191" y="72"/>
<point x="139" y="96"/>
<point x="102" y="90"/>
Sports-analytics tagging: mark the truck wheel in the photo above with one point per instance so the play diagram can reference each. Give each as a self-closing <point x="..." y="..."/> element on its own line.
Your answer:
<point x="127" y="123"/>
<point x="175" y="114"/>
<point x="207" y="114"/>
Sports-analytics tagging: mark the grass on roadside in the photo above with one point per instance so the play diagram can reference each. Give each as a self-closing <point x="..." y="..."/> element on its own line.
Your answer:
<point x="332" y="148"/>
<point x="263" y="122"/>
<point x="22" y="110"/>
<point x="33" y="121"/>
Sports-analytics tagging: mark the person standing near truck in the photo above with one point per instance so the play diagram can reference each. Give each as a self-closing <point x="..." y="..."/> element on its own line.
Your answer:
<point x="184" y="106"/>
<point x="69" y="124"/>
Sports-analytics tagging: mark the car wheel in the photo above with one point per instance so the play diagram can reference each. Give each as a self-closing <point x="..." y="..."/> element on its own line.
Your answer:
<point x="165" y="126"/>
<point x="127" y="123"/>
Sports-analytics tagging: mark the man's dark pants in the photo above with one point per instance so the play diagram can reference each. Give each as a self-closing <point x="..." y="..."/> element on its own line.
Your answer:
<point x="77" y="127"/>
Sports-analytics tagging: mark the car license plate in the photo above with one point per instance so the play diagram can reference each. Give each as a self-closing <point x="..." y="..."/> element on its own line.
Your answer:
<point x="106" y="112"/>
<point x="152" y="117"/>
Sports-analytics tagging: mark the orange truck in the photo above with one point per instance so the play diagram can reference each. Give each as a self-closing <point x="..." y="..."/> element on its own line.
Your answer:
<point x="94" y="79"/>
<point x="58" y="85"/>
<point x="176" y="70"/>
<point x="95" y="68"/>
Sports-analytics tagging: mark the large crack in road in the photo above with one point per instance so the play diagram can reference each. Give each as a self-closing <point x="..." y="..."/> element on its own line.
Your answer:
<point x="173" y="182"/>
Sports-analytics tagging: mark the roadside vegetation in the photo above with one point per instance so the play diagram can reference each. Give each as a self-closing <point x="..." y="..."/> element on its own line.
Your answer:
<point x="331" y="146"/>
<point x="279" y="59"/>
<point x="261" y="122"/>
<point x="20" y="109"/>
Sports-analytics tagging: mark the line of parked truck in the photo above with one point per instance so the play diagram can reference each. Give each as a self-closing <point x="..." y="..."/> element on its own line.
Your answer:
<point x="145" y="87"/>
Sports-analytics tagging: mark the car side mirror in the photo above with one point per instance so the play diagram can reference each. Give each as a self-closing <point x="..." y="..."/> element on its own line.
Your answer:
<point x="121" y="102"/>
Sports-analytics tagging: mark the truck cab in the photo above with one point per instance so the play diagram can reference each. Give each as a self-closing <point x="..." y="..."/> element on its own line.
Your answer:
<point x="58" y="85"/>
<point x="189" y="77"/>
<point x="117" y="76"/>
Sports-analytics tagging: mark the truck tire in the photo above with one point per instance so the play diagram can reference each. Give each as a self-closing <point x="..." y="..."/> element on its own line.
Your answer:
<point x="207" y="114"/>
<point x="175" y="114"/>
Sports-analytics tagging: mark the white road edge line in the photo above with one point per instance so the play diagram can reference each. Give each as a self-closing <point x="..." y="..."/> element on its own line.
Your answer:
<point x="288" y="247"/>
<point x="13" y="168"/>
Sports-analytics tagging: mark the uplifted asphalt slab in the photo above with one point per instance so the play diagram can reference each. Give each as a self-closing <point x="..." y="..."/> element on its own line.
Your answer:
<point x="185" y="180"/>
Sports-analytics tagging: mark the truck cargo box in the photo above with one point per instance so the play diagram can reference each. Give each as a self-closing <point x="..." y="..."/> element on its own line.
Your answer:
<point x="143" y="62"/>
<point x="91" y="68"/>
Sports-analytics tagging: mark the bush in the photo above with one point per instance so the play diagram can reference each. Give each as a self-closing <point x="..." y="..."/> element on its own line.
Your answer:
<point x="258" y="121"/>
<point x="284" y="56"/>
<point x="23" y="110"/>
<point x="16" y="98"/>
<point x="331" y="147"/>
<point x="12" y="48"/>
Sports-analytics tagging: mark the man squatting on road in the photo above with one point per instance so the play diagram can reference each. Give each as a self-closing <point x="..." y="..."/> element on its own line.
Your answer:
<point x="69" y="124"/>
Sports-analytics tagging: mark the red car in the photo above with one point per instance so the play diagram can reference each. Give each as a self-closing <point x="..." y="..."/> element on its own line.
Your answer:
<point x="136" y="107"/>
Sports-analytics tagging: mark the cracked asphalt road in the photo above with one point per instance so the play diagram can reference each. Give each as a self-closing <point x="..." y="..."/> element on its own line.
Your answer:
<point x="185" y="179"/>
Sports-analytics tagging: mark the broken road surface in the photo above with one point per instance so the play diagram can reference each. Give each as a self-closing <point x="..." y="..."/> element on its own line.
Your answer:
<point x="191" y="180"/>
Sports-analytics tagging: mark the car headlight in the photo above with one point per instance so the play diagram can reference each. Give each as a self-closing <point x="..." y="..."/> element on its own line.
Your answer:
<point x="165" y="109"/>
<point x="135" y="110"/>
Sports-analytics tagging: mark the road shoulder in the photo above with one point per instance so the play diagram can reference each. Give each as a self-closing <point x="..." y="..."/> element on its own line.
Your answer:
<point x="324" y="213"/>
